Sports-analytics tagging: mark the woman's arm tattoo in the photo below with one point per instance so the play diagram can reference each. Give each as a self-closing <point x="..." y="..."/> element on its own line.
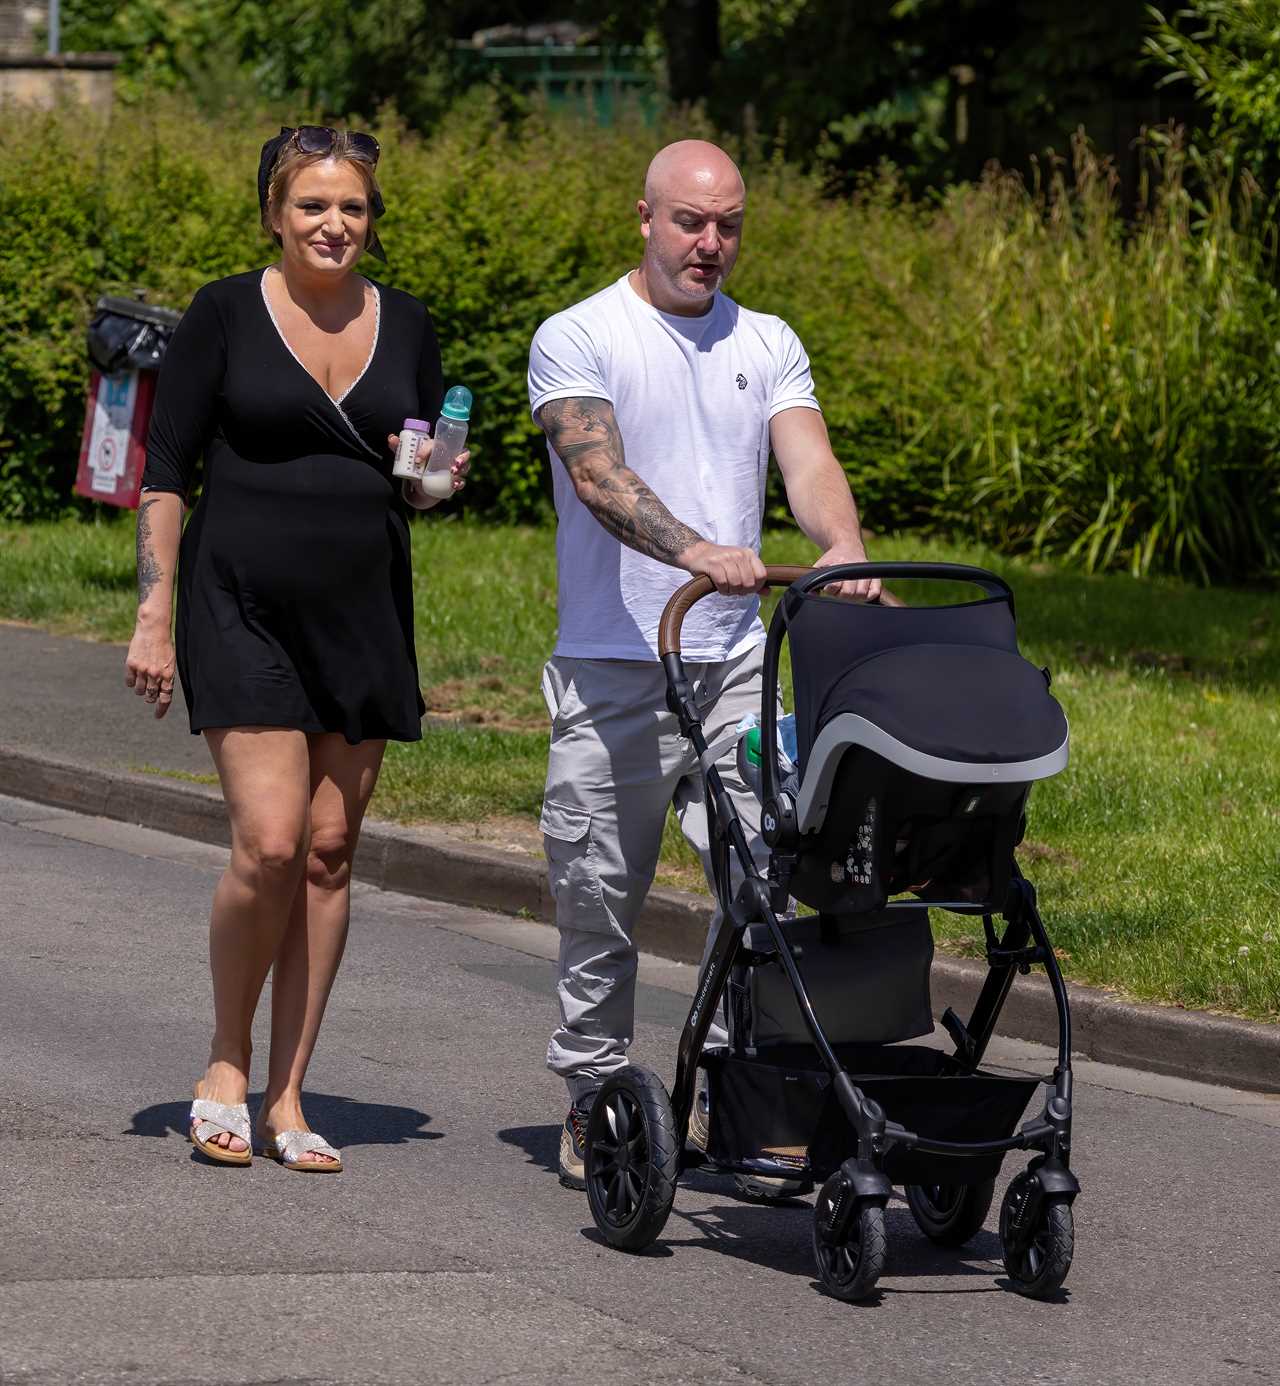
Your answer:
<point x="148" y="566"/>
<point x="585" y="435"/>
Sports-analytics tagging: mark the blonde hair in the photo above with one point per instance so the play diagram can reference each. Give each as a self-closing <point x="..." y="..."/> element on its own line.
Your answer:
<point x="292" y="159"/>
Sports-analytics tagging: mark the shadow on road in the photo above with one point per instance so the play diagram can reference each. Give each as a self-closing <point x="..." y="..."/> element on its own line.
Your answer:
<point x="779" y="1238"/>
<point x="540" y="1143"/>
<point x="342" y="1120"/>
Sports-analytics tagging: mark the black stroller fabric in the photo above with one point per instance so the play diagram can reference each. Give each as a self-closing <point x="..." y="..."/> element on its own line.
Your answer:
<point x="867" y="978"/>
<point x="829" y="638"/>
<point x="785" y="1112"/>
<point x="957" y="702"/>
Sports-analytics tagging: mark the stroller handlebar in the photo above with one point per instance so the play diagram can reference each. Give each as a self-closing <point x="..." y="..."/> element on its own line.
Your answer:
<point x="684" y="598"/>
<point x="786" y="574"/>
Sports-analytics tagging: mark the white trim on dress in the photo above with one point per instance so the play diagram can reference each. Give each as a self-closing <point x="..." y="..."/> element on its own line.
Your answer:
<point x="337" y="403"/>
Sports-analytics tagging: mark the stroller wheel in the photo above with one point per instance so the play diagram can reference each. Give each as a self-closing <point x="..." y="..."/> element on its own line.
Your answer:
<point x="950" y="1214"/>
<point x="1037" y="1260"/>
<point x="632" y="1158"/>
<point x="849" y="1266"/>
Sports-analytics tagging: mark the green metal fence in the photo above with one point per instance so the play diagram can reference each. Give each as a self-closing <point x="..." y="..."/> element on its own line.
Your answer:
<point x="593" y="80"/>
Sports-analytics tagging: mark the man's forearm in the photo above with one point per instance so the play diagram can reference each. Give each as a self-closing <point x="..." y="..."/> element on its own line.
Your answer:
<point x="587" y="440"/>
<point x="630" y="511"/>
<point x="823" y="505"/>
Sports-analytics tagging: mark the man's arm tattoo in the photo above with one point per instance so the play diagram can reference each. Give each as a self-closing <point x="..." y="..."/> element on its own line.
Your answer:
<point x="148" y="567"/>
<point x="585" y="435"/>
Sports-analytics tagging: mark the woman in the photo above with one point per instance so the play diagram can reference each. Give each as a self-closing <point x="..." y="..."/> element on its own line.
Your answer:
<point x="295" y="607"/>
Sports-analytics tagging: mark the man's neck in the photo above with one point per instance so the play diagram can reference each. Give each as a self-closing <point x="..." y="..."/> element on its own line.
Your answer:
<point x="680" y="308"/>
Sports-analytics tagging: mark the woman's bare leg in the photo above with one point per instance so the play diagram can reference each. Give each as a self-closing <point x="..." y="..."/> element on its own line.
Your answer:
<point x="265" y="776"/>
<point x="342" y="779"/>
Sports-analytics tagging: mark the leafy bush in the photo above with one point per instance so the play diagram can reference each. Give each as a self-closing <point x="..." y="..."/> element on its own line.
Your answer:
<point x="324" y="54"/>
<point x="1015" y="364"/>
<point x="1225" y="51"/>
<point x="1024" y="366"/>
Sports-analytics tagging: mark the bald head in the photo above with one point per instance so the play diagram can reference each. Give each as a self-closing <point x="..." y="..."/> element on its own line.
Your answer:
<point x="688" y="169"/>
<point x="691" y="221"/>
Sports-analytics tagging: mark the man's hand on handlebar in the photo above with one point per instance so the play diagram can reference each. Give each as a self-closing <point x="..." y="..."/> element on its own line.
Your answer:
<point x="861" y="590"/>
<point x="735" y="572"/>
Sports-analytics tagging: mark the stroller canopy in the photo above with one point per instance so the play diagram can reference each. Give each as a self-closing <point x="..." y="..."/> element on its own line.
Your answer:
<point x="941" y="691"/>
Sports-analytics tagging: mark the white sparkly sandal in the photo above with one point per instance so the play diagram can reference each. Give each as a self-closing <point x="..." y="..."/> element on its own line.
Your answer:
<point x="210" y="1119"/>
<point x="290" y="1146"/>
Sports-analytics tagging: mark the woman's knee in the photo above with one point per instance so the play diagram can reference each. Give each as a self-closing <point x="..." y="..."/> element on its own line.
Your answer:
<point x="270" y="855"/>
<point x="329" y="858"/>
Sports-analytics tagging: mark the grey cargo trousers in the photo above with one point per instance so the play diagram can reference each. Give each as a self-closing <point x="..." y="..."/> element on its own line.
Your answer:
<point x="617" y="763"/>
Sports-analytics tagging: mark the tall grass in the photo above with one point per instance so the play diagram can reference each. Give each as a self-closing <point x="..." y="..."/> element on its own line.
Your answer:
<point x="1034" y="370"/>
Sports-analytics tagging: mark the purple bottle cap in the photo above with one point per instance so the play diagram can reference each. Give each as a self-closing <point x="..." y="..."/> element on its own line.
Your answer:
<point x="420" y="425"/>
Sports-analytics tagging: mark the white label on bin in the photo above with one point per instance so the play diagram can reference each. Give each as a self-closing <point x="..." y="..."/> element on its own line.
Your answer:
<point x="112" y="424"/>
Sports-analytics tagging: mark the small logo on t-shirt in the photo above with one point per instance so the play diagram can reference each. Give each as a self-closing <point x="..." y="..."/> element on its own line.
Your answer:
<point x="742" y="381"/>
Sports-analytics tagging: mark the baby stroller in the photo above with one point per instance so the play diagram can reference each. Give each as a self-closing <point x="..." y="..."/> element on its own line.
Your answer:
<point x="919" y="732"/>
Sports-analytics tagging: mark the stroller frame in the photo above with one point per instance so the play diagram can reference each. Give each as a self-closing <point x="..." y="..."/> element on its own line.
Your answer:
<point x="849" y="1242"/>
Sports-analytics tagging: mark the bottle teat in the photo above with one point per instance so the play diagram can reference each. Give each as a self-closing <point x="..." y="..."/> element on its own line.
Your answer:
<point x="457" y="404"/>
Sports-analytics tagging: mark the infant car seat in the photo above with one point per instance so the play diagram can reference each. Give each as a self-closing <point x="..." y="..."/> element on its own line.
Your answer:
<point x="919" y="733"/>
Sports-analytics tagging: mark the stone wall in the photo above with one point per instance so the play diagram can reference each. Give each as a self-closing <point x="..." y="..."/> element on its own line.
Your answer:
<point x="35" y="79"/>
<point x="18" y="21"/>
<point x="44" y="81"/>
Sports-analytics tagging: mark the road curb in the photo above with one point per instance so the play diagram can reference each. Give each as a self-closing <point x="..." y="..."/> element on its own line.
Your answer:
<point x="425" y="861"/>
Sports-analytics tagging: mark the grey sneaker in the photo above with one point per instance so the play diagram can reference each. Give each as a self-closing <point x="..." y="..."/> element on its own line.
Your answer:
<point x="573" y="1172"/>
<point x="764" y="1188"/>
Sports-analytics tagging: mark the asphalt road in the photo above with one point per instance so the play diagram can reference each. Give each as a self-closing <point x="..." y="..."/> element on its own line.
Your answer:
<point x="67" y="698"/>
<point x="447" y="1251"/>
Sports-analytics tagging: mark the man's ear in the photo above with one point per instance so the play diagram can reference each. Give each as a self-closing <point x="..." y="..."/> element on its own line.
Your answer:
<point x="646" y="217"/>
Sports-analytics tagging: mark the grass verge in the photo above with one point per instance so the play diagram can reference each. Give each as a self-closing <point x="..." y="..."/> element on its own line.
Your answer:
<point x="1157" y="854"/>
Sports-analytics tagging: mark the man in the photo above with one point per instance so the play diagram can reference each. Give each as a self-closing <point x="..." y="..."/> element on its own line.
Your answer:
<point x="661" y="399"/>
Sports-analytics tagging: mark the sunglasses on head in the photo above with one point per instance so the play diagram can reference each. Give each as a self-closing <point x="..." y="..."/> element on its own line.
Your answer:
<point x="320" y="139"/>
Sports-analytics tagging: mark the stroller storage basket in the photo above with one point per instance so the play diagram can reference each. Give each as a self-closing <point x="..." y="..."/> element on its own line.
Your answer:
<point x="784" y="1113"/>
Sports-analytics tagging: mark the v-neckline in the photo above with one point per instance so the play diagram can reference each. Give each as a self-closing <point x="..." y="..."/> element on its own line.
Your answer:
<point x="288" y="346"/>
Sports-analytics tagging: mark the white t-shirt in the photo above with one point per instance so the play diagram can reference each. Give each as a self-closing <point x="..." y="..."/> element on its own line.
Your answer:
<point x="693" y="398"/>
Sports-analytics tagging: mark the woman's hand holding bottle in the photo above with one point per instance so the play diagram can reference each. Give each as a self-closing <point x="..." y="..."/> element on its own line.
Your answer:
<point x="431" y="469"/>
<point x="412" y="487"/>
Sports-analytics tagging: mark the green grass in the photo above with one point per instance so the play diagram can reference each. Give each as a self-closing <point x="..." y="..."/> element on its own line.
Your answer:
<point x="1157" y="853"/>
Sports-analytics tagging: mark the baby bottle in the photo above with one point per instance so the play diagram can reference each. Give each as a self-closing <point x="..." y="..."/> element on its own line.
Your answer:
<point x="450" y="439"/>
<point x="409" y="461"/>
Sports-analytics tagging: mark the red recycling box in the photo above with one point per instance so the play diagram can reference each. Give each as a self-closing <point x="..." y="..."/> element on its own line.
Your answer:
<point x="127" y="339"/>
<point x="114" y="443"/>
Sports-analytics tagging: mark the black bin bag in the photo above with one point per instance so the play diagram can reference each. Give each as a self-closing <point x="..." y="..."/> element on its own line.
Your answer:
<point x="126" y="334"/>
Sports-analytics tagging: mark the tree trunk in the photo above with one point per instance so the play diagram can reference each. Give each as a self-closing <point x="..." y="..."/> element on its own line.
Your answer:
<point x="691" y="35"/>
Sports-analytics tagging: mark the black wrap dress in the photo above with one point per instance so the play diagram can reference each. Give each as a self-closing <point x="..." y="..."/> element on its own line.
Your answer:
<point x="295" y="599"/>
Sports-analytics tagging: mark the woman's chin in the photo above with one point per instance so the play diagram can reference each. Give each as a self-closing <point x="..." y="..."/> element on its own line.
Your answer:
<point x="329" y="262"/>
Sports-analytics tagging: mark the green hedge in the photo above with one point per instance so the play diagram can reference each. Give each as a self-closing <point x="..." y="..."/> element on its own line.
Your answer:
<point x="1016" y="365"/>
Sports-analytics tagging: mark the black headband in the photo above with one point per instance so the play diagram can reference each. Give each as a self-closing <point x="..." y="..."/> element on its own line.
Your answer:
<point x="267" y="160"/>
